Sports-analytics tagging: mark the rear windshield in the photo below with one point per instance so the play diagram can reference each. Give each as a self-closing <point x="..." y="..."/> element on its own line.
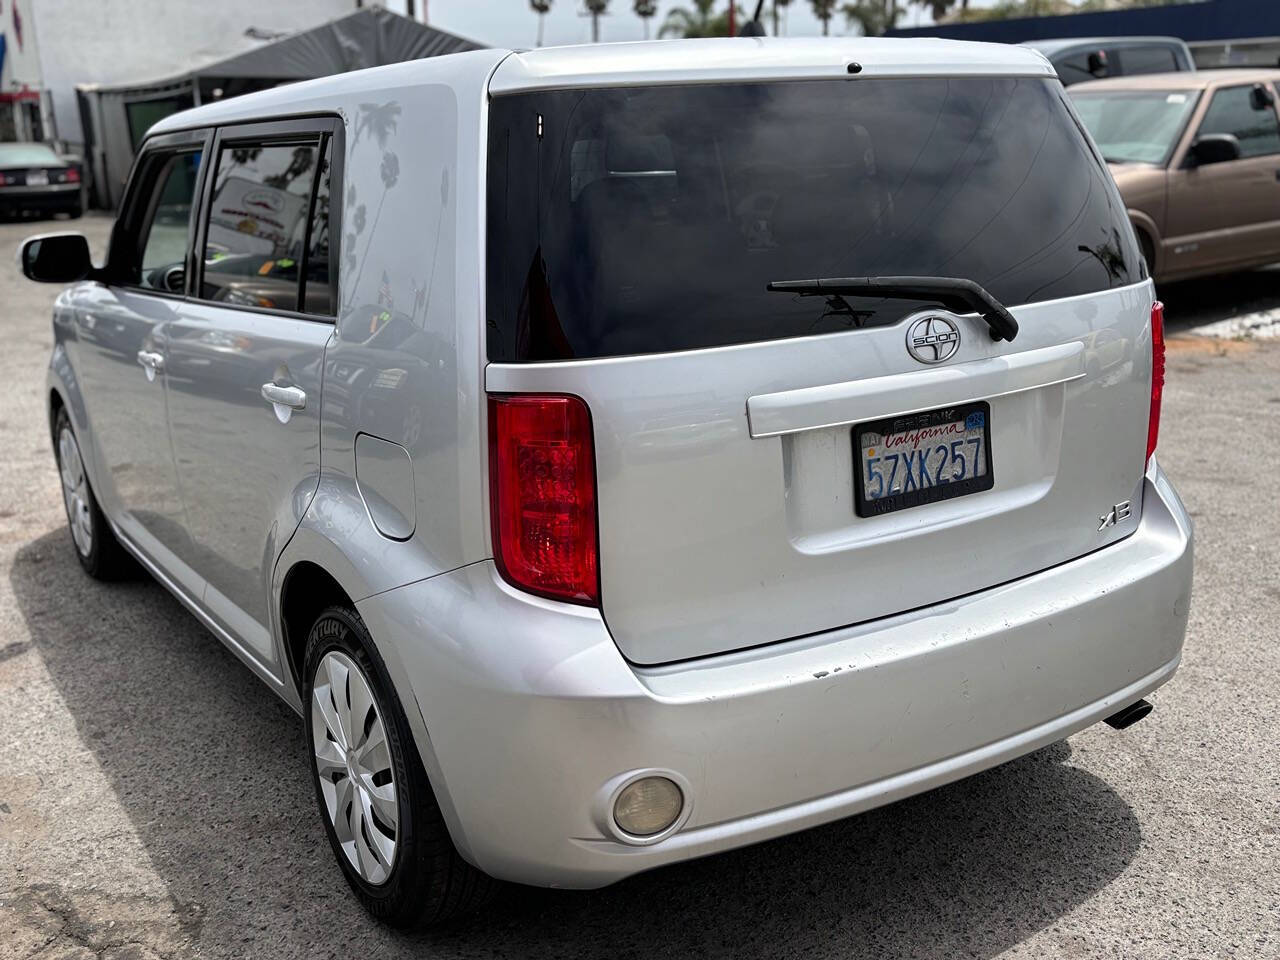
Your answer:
<point x="650" y="219"/>
<point x="34" y="154"/>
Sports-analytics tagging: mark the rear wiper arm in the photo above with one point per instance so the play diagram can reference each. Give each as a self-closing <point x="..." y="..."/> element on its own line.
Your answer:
<point x="953" y="293"/>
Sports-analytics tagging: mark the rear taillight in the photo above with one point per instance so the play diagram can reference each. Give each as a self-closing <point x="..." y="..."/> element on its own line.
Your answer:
<point x="72" y="175"/>
<point x="542" y="481"/>
<point x="1157" y="375"/>
<point x="2" y="180"/>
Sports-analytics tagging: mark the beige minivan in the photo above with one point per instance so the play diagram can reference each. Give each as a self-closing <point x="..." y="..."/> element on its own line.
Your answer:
<point x="1197" y="160"/>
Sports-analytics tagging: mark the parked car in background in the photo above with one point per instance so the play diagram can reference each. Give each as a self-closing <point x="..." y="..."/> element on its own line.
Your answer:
<point x="34" y="179"/>
<point x="1078" y="59"/>
<point x="1197" y="160"/>
<point x="785" y="447"/>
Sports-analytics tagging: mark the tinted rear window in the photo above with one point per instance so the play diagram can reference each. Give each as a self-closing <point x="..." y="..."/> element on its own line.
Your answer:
<point x="1147" y="59"/>
<point x="650" y="219"/>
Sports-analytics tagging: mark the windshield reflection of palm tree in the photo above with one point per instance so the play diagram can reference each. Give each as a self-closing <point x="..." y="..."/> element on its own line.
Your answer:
<point x="1108" y="254"/>
<point x="422" y="295"/>
<point x="302" y="161"/>
<point x="381" y="121"/>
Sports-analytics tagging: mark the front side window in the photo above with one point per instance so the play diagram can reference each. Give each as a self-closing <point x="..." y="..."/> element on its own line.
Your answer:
<point x="161" y="264"/>
<point x="259" y="223"/>
<point x="1135" y="126"/>
<point x="1232" y="111"/>
<point x="650" y="219"/>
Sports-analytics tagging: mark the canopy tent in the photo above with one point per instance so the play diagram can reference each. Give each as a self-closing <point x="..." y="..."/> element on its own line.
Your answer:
<point x="116" y="117"/>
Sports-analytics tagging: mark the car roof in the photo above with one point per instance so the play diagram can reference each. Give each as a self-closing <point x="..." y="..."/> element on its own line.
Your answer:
<point x="758" y="58"/>
<point x="1058" y="44"/>
<point x="1182" y="80"/>
<point x="617" y="64"/>
<point x="337" y="92"/>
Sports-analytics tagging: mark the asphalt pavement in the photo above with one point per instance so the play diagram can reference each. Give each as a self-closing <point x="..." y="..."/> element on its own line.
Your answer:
<point x="154" y="796"/>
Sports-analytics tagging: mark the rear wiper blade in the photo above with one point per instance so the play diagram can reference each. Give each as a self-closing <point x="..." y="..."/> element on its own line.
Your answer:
<point x="953" y="293"/>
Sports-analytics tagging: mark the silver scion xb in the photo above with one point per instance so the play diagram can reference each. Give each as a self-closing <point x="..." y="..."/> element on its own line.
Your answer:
<point x="621" y="454"/>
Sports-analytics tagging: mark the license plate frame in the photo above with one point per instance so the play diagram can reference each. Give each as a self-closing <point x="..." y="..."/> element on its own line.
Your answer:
<point x="37" y="178"/>
<point x="933" y="493"/>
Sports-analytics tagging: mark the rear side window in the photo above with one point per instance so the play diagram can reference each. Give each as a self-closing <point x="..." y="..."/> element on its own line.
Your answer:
<point x="1080" y="65"/>
<point x="266" y="243"/>
<point x="1147" y="59"/>
<point x="650" y="219"/>
<point x="1231" y="111"/>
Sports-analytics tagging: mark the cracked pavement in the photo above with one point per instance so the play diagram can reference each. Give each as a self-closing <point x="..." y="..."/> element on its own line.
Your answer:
<point x="154" y="799"/>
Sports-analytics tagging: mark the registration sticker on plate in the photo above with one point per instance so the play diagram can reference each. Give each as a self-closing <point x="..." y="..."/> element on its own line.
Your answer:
<point x="922" y="458"/>
<point x="37" y="178"/>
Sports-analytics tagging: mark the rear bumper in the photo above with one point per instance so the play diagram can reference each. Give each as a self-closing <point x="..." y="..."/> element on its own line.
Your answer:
<point x="533" y="713"/>
<point x="57" y="198"/>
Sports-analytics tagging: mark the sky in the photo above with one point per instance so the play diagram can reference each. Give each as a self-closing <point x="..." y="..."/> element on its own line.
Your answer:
<point x="511" y="23"/>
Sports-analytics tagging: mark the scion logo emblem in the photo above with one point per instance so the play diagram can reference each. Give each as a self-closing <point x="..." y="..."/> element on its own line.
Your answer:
<point x="933" y="339"/>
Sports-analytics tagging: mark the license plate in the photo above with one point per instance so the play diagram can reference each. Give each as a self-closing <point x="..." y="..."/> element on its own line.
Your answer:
<point x="921" y="458"/>
<point x="37" y="178"/>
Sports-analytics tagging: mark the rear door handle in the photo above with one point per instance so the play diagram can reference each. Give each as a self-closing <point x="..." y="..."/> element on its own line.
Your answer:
<point x="152" y="362"/>
<point x="292" y="397"/>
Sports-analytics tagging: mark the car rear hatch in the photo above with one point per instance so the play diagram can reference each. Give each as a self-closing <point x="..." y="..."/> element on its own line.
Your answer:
<point x="745" y="439"/>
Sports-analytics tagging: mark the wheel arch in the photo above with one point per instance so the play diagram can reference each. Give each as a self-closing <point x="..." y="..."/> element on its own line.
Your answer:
<point x="56" y="403"/>
<point x="306" y="589"/>
<point x="314" y="573"/>
<point x="1147" y="231"/>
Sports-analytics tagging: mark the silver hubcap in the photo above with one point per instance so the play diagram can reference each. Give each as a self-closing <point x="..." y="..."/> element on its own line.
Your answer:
<point x="353" y="762"/>
<point x="75" y="491"/>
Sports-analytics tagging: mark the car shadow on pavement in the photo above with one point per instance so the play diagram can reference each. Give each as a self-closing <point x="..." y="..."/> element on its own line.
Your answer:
<point x="210" y="769"/>
<point x="1191" y="303"/>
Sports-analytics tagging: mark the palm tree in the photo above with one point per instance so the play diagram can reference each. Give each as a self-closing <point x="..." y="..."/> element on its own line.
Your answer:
<point x="776" y="5"/>
<point x="877" y="16"/>
<point x="824" y="10"/>
<point x="699" y="22"/>
<point x="540" y="7"/>
<point x="645" y="9"/>
<point x="595" y="9"/>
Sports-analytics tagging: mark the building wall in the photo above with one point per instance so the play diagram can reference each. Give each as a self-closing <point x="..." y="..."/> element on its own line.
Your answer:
<point x="22" y="107"/>
<point x="120" y="41"/>
<point x="21" y="59"/>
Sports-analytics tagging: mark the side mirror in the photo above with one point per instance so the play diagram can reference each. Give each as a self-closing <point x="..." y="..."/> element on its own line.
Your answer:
<point x="1098" y="63"/>
<point x="1214" y="148"/>
<point x="1260" y="98"/>
<point x="56" y="258"/>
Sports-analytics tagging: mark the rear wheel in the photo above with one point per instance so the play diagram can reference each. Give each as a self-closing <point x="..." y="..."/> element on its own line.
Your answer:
<point x="377" y="805"/>
<point x="97" y="549"/>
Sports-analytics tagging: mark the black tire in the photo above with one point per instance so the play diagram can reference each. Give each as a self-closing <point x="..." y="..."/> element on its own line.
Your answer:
<point x="105" y="558"/>
<point x="428" y="882"/>
<point x="76" y="212"/>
